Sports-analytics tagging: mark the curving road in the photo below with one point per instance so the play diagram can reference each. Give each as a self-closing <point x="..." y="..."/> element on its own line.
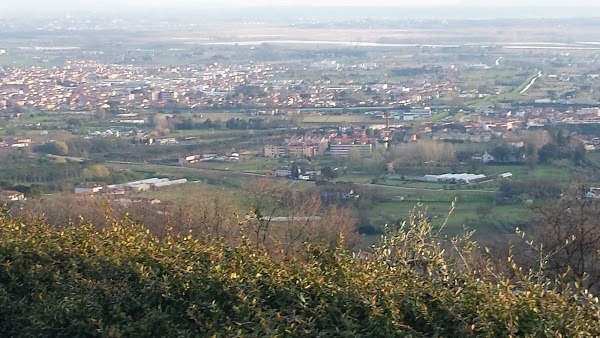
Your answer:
<point x="531" y="83"/>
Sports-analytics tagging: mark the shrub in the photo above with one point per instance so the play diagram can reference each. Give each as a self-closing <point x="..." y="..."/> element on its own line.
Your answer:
<point x="123" y="281"/>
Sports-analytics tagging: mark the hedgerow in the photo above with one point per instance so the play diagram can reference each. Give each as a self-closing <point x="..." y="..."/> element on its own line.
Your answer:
<point x="79" y="280"/>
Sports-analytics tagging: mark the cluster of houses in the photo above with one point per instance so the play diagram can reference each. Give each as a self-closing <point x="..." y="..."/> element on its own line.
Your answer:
<point x="15" y="143"/>
<point x="7" y="196"/>
<point x="454" y="178"/>
<point x="308" y="145"/>
<point x="287" y="172"/>
<point x="90" y="85"/>
<point x="118" y="193"/>
<point x="411" y="115"/>
<point x="591" y="143"/>
<point x="335" y="142"/>
<point x="593" y="193"/>
<point x="118" y="190"/>
<point x="481" y="126"/>
<point x="191" y="159"/>
<point x="339" y="195"/>
<point x="106" y="133"/>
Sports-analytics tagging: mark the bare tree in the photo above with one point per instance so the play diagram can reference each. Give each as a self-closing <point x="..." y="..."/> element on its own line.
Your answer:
<point x="265" y="211"/>
<point x="534" y="141"/>
<point x="422" y="152"/>
<point x="565" y="237"/>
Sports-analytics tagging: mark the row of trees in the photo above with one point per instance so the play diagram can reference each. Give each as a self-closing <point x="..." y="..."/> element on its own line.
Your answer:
<point x="79" y="147"/>
<point x="233" y="124"/>
<point x="276" y="215"/>
<point x="423" y="152"/>
<point x="573" y="151"/>
<point x="54" y="148"/>
<point x="514" y="191"/>
<point x="539" y="146"/>
<point x="40" y="170"/>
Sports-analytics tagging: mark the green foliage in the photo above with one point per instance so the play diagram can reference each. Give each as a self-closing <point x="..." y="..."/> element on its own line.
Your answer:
<point x="562" y="147"/>
<point x="55" y="148"/>
<point x="39" y="170"/>
<point x="96" y="171"/>
<point x="329" y="173"/>
<point x="529" y="188"/>
<point x="123" y="281"/>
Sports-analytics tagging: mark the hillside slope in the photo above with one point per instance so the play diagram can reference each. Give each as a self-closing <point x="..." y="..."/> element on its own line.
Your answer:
<point x="123" y="281"/>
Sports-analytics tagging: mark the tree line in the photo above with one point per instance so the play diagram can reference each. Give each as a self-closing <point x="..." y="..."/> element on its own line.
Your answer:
<point x="233" y="124"/>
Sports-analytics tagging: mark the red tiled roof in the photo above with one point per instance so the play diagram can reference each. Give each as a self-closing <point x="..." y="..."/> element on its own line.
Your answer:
<point x="10" y="193"/>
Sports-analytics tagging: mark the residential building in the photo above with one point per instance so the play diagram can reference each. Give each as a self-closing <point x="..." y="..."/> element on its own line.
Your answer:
<point x="282" y="172"/>
<point x="487" y="158"/>
<point x="274" y="151"/>
<point x="343" y="150"/>
<point x="302" y="151"/>
<point x="190" y="159"/>
<point x="88" y="188"/>
<point x="108" y="192"/>
<point x="11" y="196"/>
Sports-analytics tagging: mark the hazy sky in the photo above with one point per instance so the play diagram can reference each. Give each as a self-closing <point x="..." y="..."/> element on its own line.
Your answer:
<point x="82" y="4"/>
<point x="448" y="9"/>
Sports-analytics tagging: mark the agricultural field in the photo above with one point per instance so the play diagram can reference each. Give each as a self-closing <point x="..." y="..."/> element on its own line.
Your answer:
<point x="472" y="210"/>
<point x="339" y="119"/>
<point x="516" y="93"/>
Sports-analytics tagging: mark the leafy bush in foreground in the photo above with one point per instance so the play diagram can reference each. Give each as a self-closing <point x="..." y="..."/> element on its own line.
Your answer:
<point x="123" y="281"/>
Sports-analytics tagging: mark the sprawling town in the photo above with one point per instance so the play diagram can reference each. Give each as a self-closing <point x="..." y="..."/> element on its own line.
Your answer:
<point x="402" y="119"/>
<point x="315" y="168"/>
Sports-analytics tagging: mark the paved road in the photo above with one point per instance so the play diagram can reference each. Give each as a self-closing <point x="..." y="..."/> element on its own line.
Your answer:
<point x="531" y="83"/>
<point x="397" y="187"/>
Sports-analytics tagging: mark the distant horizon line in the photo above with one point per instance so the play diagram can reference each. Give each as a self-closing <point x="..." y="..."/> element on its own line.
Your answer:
<point x="245" y="6"/>
<point x="416" y="11"/>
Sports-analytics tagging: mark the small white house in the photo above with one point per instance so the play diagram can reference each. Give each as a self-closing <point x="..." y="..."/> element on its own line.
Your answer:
<point x="11" y="196"/>
<point x="593" y="193"/>
<point x="487" y="158"/>
<point x="282" y="172"/>
<point x="113" y="192"/>
<point x="88" y="188"/>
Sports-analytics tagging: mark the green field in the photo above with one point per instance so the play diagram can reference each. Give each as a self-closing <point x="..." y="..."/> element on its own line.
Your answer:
<point x="474" y="210"/>
<point x="476" y="206"/>
<point x="221" y="116"/>
<point x="248" y="165"/>
<point x="513" y="95"/>
<point x="349" y="118"/>
<point x="412" y="184"/>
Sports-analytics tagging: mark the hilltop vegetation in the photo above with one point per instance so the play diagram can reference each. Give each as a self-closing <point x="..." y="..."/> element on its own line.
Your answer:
<point x="121" y="280"/>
